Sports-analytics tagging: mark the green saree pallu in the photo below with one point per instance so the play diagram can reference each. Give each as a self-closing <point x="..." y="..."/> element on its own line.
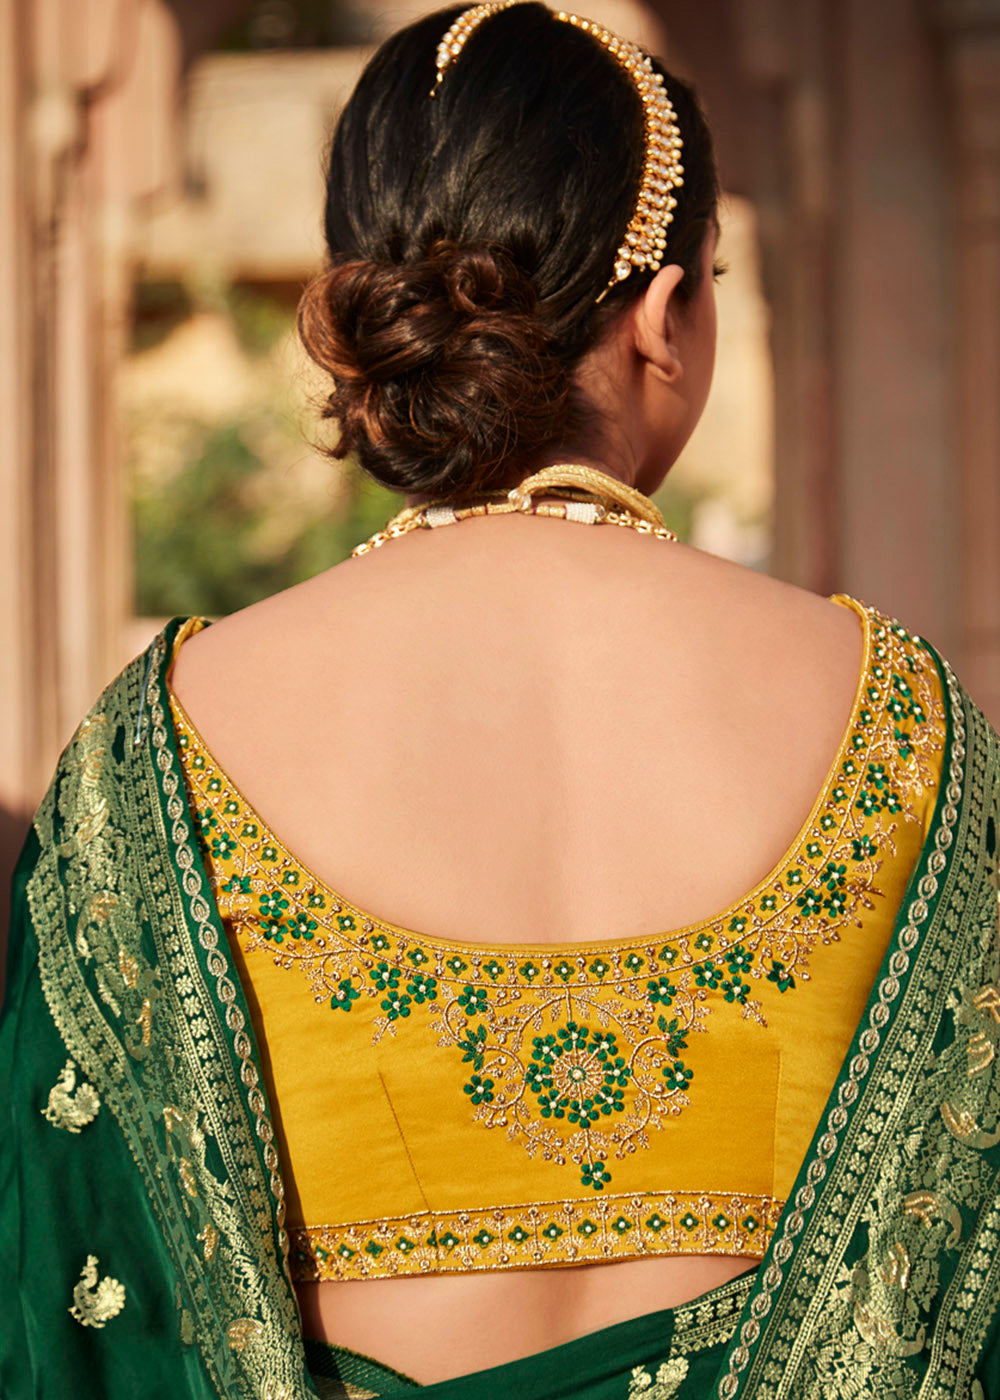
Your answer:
<point x="143" y="1243"/>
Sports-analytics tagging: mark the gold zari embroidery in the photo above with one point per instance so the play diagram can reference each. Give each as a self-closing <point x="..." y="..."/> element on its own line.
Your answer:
<point x="555" y="1232"/>
<point x="68" y="1109"/>
<point x="96" y="1300"/>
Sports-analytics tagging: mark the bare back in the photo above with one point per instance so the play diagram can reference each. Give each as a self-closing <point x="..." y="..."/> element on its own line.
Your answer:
<point x="515" y="730"/>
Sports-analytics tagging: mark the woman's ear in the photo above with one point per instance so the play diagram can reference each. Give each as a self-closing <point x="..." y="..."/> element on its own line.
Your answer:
<point x="653" y="323"/>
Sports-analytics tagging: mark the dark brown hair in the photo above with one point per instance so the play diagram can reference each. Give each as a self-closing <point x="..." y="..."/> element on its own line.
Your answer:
<point x="469" y="237"/>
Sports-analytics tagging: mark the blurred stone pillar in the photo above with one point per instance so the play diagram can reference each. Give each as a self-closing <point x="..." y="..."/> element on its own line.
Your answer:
<point x="87" y="97"/>
<point x="972" y="28"/>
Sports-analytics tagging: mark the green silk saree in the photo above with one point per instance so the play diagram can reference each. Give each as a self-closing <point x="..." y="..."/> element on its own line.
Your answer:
<point x="142" y="1235"/>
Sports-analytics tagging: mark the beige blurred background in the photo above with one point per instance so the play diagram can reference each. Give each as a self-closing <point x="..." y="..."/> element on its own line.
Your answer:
<point x="160" y="210"/>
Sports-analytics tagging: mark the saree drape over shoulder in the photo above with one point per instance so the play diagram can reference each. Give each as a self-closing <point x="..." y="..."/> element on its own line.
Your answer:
<point x="142" y="1217"/>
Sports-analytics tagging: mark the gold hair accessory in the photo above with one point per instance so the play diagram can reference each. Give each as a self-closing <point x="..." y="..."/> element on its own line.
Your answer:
<point x="460" y="33"/>
<point x="645" y="243"/>
<point x="621" y="505"/>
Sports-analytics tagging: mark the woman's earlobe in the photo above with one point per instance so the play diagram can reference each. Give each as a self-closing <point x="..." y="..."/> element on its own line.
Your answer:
<point x="670" y="367"/>
<point x="653" y="324"/>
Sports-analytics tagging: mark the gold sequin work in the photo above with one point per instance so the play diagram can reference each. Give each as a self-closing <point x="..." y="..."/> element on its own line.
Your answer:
<point x="449" y="1107"/>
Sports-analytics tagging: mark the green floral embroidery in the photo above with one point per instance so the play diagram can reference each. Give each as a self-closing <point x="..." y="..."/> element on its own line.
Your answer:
<point x="704" y="942"/>
<point x="493" y="969"/>
<point x="273" y="930"/>
<point x="633" y="962"/>
<point x="794" y="877"/>
<point x="473" y="1045"/>
<point x="272" y="905"/>
<point x="223" y="847"/>
<point x="577" y="1074"/>
<point x="316" y="901"/>
<point x="207" y="820"/>
<point x="863" y="848"/>
<point x="456" y="966"/>
<point x="237" y="884"/>
<point x="301" y="926"/>
<point x="213" y="785"/>
<point x="598" y="967"/>
<point x="386" y="978"/>
<point x="249" y="831"/>
<point x="527" y="970"/>
<point x="563" y="970"/>
<point x="678" y="1076"/>
<point x="835" y="903"/>
<point x="739" y="958"/>
<point x="269" y="853"/>
<point x="346" y="993"/>
<point x="290" y="877"/>
<point x="676" y="1036"/>
<point x="781" y="976"/>
<point x="707" y="974"/>
<point x="662" y="990"/>
<point x="810" y="901"/>
<point x="737" y="924"/>
<point x="480" y="1090"/>
<point x="668" y="955"/>
<point x="396" y="1003"/>
<point x="834" y="876"/>
<point x="379" y="943"/>
<point x="416" y="956"/>
<point x="423" y="989"/>
<point x="768" y="903"/>
<point x="474" y="1001"/>
<point x="735" y="989"/>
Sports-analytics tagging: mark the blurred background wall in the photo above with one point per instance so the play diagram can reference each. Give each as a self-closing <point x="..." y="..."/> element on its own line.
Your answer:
<point x="160" y="202"/>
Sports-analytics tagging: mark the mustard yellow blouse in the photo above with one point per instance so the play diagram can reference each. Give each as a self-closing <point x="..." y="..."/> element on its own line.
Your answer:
<point x="444" y="1106"/>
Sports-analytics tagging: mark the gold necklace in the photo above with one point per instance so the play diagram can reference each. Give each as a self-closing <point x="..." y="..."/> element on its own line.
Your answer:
<point x="615" y="504"/>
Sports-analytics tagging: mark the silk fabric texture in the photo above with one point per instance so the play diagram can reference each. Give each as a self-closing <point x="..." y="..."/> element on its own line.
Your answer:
<point x="142" y="1215"/>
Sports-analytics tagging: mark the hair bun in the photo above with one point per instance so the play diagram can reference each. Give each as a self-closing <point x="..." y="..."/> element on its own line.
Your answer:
<point x="444" y="370"/>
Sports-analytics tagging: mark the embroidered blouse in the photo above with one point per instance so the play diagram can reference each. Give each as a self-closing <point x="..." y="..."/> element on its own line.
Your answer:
<point x="521" y="1105"/>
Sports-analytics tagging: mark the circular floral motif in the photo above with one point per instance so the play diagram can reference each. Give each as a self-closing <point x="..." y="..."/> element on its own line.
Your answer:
<point x="423" y="989"/>
<point x="577" y="1074"/>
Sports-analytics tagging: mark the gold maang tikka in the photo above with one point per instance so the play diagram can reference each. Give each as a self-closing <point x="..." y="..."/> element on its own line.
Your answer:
<point x="645" y="243"/>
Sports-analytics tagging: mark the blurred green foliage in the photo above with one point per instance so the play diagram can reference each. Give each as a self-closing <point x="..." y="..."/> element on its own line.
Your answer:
<point x="198" y="536"/>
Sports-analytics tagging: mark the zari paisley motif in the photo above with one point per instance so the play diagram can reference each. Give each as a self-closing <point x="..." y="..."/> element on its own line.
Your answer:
<point x="579" y="1052"/>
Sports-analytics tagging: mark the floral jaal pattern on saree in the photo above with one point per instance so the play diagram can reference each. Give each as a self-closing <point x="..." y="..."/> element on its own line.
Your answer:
<point x="116" y="898"/>
<point x="579" y="1052"/>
